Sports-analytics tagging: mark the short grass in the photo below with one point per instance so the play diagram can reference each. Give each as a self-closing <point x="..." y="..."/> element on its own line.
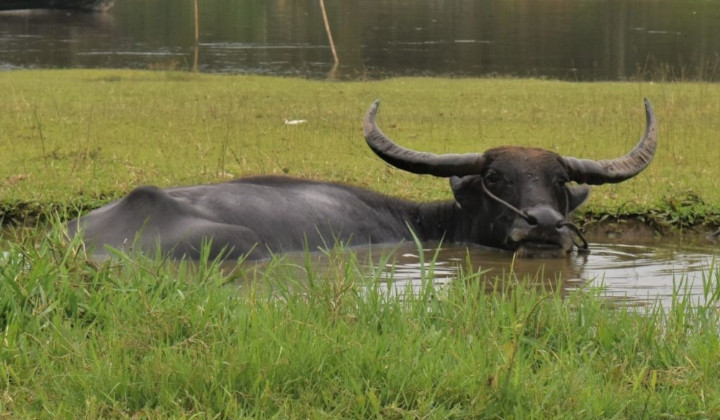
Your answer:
<point x="147" y="339"/>
<point x="74" y="139"/>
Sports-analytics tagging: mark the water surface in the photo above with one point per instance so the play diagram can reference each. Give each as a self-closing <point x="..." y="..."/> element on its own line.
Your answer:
<point x="564" y="39"/>
<point x="636" y="272"/>
<point x="639" y="274"/>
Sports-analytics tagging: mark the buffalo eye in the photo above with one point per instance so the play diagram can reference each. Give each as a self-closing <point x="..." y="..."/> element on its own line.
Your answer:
<point x="492" y="178"/>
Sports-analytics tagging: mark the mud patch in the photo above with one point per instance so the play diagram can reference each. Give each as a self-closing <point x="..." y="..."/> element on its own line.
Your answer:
<point x="635" y="231"/>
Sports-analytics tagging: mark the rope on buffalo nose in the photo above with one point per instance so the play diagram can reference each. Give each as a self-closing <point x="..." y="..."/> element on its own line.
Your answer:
<point x="583" y="248"/>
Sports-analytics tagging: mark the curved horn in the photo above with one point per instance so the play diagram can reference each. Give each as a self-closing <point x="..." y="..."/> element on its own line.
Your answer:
<point x="417" y="162"/>
<point x="586" y="171"/>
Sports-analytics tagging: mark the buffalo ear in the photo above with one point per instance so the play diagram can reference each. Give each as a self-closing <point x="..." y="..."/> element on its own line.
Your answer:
<point x="577" y="195"/>
<point x="466" y="190"/>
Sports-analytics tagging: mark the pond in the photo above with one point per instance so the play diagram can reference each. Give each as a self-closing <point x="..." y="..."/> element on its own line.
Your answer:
<point x="635" y="269"/>
<point x="652" y="269"/>
<point x="563" y="39"/>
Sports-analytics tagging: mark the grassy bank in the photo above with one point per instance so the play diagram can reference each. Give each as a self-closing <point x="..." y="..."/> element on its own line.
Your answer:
<point x="75" y="139"/>
<point x="149" y="339"/>
<point x="143" y="338"/>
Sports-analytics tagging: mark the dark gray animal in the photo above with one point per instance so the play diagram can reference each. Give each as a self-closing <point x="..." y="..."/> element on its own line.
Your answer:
<point x="513" y="198"/>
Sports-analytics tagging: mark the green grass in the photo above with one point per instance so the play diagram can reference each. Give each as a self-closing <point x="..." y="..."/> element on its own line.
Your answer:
<point x="133" y="337"/>
<point x="145" y="338"/>
<point x="78" y="138"/>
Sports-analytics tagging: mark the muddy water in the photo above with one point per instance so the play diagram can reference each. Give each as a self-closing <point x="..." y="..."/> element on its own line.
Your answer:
<point x="631" y="274"/>
<point x="636" y="271"/>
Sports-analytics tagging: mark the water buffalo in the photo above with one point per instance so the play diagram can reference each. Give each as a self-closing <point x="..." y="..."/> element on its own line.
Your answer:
<point x="513" y="198"/>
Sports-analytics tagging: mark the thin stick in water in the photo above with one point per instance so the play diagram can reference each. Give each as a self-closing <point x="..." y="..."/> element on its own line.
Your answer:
<point x="197" y="36"/>
<point x="329" y="33"/>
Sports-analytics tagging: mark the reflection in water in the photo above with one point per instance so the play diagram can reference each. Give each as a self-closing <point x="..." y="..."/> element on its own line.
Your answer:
<point x="649" y="270"/>
<point x="565" y="39"/>
<point x="629" y="274"/>
<point x="645" y="272"/>
<point x="33" y="39"/>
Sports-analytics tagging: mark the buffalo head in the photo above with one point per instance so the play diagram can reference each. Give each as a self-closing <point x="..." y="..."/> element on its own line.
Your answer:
<point x="516" y="198"/>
